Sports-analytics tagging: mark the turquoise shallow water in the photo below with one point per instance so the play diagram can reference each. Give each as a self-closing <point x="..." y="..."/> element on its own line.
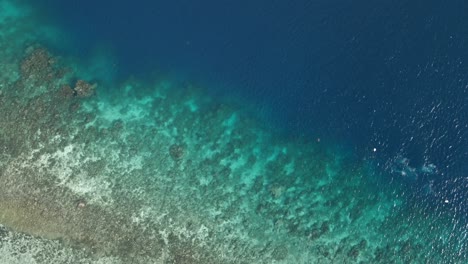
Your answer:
<point x="159" y="172"/>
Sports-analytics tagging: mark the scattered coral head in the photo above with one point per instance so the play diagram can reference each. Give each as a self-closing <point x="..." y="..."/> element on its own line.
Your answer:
<point x="276" y="190"/>
<point x="84" y="89"/>
<point x="176" y="151"/>
<point x="80" y="204"/>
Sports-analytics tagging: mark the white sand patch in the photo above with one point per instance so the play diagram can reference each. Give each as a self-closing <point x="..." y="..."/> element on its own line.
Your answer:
<point x="143" y="215"/>
<point x="160" y="90"/>
<point x="97" y="190"/>
<point x="230" y="122"/>
<point x="133" y="110"/>
<point x="289" y="168"/>
<point x="67" y="160"/>
<point x="192" y="105"/>
<point x="128" y="165"/>
<point x="234" y="164"/>
<point x="274" y="155"/>
<point x="331" y="173"/>
<point x="65" y="164"/>
<point x="205" y="180"/>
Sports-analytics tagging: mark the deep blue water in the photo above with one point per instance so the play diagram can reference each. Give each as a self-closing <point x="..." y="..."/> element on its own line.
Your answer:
<point x="384" y="74"/>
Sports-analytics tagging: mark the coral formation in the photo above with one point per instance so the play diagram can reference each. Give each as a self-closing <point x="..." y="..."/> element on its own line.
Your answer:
<point x="84" y="89"/>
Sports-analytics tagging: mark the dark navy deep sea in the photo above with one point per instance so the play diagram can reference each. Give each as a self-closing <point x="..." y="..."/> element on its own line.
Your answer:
<point x="377" y="89"/>
<point x="384" y="75"/>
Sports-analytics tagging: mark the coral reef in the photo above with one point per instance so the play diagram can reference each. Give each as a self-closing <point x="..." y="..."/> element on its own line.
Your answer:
<point x="38" y="65"/>
<point x="164" y="175"/>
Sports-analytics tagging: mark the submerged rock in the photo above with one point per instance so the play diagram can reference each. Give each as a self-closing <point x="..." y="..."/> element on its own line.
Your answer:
<point x="176" y="151"/>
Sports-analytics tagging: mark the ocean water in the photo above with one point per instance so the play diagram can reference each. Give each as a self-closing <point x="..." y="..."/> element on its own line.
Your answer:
<point x="227" y="132"/>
